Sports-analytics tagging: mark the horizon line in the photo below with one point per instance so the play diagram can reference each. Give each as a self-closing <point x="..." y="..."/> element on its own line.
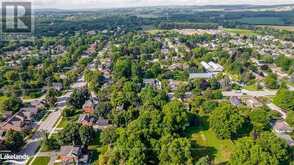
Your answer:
<point x="174" y="6"/>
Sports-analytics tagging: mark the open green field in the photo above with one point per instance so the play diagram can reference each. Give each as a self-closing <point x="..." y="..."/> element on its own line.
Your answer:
<point x="42" y="160"/>
<point x="262" y="20"/>
<point x="240" y="31"/>
<point x="209" y="144"/>
<point x="287" y="28"/>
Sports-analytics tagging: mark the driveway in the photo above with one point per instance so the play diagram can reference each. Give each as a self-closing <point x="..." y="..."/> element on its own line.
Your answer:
<point x="273" y="107"/>
<point x="286" y="138"/>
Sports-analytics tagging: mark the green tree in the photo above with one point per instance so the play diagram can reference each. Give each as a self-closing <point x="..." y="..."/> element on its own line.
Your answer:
<point x="285" y="99"/>
<point x="11" y="75"/>
<point x="225" y="121"/>
<point x="266" y="150"/>
<point x="271" y="82"/>
<point x="175" y="151"/>
<point x="51" y="97"/>
<point x="68" y="111"/>
<point x="290" y="118"/>
<point x="79" y="97"/>
<point x="176" y="118"/>
<point x="10" y="103"/>
<point x="14" y="140"/>
<point x="122" y="68"/>
<point x="70" y="134"/>
<point x="260" y="118"/>
<point x="108" y="135"/>
<point x="203" y="161"/>
<point x="87" y="135"/>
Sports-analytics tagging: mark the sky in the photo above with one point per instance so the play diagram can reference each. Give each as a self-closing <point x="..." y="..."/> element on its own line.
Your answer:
<point x="82" y="4"/>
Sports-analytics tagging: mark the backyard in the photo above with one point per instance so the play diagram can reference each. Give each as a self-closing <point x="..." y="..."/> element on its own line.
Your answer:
<point x="209" y="144"/>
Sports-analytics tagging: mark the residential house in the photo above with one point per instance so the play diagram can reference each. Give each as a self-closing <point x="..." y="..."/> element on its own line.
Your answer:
<point x="187" y="96"/>
<point x="86" y="120"/>
<point x="57" y="86"/>
<point x="212" y="67"/>
<point x="101" y="123"/>
<point x="176" y="66"/>
<point x="153" y="82"/>
<point x="39" y="103"/>
<point x="6" y="115"/>
<point x="235" y="100"/>
<point x="201" y="75"/>
<point x="174" y="84"/>
<point x="70" y="154"/>
<point x="21" y="121"/>
<point x="226" y="84"/>
<point x="90" y="33"/>
<point x="261" y="63"/>
<point x="89" y="107"/>
<point x="253" y="102"/>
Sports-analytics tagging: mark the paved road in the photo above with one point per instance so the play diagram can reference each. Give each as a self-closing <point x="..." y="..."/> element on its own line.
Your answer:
<point x="47" y="126"/>
<point x="273" y="107"/>
<point x="244" y="92"/>
<point x="50" y="121"/>
<point x="291" y="88"/>
<point x="36" y="99"/>
<point x="285" y="137"/>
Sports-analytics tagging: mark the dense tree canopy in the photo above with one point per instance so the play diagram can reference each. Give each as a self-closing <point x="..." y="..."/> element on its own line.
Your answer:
<point x="225" y="121"/>
<point x="14" y="140"/>
<point x="266" y="150"/>
<point x="79" y="97"/>
<point x="9" y="104"/>
<point x="260" y="118"/>
<point x="176" y="118"/>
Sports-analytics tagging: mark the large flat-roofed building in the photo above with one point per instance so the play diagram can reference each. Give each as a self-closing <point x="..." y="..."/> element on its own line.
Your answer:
<point x="212" y="67"/>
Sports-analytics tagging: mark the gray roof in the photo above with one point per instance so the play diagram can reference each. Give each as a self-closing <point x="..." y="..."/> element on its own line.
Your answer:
<point x="200" y="75"/>
<point x="69" y="150"/>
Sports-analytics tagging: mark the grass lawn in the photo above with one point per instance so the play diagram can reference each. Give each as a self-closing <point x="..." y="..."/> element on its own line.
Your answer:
<point x="209" y="144"/>
<point x="252" y="88"/>
<point x="240" y="31"/>
<point x="62" y="123"/>
<point x="29" y="161"/>
<point x="42" y="160"/>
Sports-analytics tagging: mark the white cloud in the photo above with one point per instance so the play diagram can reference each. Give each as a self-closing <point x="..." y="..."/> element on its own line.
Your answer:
<point x="132" y="3"/>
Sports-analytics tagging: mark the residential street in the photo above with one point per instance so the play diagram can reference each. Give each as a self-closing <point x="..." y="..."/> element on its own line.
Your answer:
<point x="244" y="92"/>
<point x="45" y="126"/>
